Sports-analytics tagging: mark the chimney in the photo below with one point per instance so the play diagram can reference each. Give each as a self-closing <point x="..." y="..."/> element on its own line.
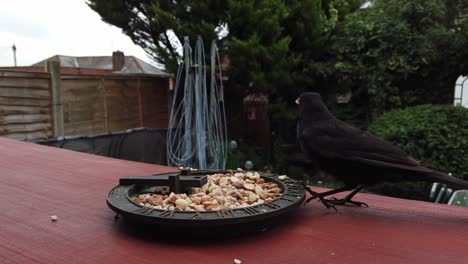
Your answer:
<point x="118" y="60"/>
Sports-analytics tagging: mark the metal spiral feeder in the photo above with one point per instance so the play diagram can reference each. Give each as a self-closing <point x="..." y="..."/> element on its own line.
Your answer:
<point x="197" y="134"/>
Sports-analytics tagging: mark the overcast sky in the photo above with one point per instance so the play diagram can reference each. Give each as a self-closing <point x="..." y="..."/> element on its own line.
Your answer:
<point x="44" y="28"/>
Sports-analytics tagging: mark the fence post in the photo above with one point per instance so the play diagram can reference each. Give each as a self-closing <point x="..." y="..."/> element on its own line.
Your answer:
<point x="140" y="103"/>
<point x="53" y="67"/>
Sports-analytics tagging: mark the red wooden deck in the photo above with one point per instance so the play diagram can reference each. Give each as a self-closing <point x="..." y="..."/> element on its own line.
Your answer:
<point x="37" y="182"/>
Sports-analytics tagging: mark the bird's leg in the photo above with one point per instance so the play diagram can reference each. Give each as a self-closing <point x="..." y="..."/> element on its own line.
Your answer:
<point x="321" y="196"/>
<point x="347" y="199"/>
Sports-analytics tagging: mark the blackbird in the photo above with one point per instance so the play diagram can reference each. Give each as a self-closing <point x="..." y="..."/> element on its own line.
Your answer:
<point x="355" y="157"/>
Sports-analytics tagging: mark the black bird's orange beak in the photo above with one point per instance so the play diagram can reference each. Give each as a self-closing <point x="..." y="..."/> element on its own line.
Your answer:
<point x="298" y="100"/>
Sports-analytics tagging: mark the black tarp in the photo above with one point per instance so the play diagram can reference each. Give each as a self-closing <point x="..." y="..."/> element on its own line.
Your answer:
<point x="141" y="144"/>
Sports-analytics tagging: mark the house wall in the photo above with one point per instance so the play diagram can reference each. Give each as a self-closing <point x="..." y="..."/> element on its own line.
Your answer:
<point x="91" y="104"/>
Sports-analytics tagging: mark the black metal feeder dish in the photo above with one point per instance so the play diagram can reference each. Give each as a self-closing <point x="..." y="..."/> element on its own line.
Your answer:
<point x="257" y="217"/>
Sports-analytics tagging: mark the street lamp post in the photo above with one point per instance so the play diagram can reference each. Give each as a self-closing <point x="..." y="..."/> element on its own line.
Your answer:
<point x="14" y="53"/>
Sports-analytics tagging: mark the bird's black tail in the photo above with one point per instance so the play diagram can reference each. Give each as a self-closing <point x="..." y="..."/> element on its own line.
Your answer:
<point x="449" y="180"/>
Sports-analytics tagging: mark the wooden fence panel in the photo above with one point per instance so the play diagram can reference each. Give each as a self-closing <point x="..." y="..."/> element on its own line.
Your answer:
<point x="91" y="104"/>
<point x="84" y="109"/>
<point x="122" y="104"/>
<point x="25" y="105"/>
<point x="155" y="102"/>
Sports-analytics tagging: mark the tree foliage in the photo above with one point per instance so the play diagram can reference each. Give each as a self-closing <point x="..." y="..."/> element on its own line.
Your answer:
<point x="159" y="26"/>
<point x="392" y="54"/>
<point x="271" y="43"/>
<point x="399" y="53"/>
<point x="257" y="45"/>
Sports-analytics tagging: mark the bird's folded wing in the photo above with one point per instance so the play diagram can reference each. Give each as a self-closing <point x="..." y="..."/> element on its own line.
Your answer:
<point x="349" y="143"/>
<point x="390" y="164"/>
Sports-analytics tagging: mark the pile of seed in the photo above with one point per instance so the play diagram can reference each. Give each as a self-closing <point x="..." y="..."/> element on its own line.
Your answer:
<point x="222" y="191"/>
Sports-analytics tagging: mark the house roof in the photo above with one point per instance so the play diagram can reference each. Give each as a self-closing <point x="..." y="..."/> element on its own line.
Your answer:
<point x="132" y="65"/>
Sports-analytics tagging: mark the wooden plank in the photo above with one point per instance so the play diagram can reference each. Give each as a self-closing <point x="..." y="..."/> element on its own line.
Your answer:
<point x="155" y="103"/>
<point x="154" y="91"/>
<point x="154" y="106"/>
<point x="82" y="115"/>
<point x="115" y="77"/>
<point x="124" y="118"/>
<point x="70" y="185"/>
<point x="89" y="112"/>
<point x="79" y="100"/>
<point x="82" y="77"/>
<point x="77" y="85"/>
<point x="156" y="109"/>
<point x="123" y="83"/>
<point x="151" y="110"/>
<point x="86" y="92"/>
<point x="76" y="118"/>
<point x="126" y="103"/>
<point x="155" y="82"/>
<point x="24" y="93"/>
<point x="104" y="105"/>
<point x="151" y="85"/>
<point x="5" y="100"/>
<point x="94" y="92"/>
<point x="56" y="92"/>
<point x="122" y="100"/>
<point x="18" y="74"/>
<point x="91" y="97"/>
<point x="94" y="122"/>
<point x="157" y="124"/>
<point x="122" y="124"/>
<point x="122" y="109"/>
<point x="14" y="109"/>
<point x="98" y="122"/>
<point x="156" y="115"/>
<point x="84" y="128"/>
<point x="96" y="105"/>
<point x="22" y="119"/>
<point x="30" y="83"/>
<point x="151" y="96"/>
<point x="140" y="106"/>
<point x="127" y="92"/>
<point x="24" y="128"/>
<point x="30" y="135"/>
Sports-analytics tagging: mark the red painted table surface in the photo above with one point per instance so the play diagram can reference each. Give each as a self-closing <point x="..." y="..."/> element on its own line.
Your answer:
<point x="37" y="182"/>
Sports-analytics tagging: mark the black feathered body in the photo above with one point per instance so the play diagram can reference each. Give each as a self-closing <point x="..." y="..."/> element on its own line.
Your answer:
<point x="354" y="156"/>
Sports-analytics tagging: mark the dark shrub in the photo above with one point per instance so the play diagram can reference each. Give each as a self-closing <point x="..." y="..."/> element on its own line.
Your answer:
<point x="435" y="134"/>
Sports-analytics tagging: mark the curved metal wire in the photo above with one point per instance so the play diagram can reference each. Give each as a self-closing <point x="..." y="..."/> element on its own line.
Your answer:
<point x="197" y="134"/>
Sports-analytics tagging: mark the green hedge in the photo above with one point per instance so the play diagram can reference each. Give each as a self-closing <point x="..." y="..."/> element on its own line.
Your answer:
<point x="434" y="134"/>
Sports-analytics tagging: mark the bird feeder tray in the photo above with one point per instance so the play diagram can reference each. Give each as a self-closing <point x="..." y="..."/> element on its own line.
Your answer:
<point x="120" y="200"/>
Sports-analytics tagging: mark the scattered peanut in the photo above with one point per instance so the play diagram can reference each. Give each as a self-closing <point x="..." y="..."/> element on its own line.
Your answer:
<point x="181" y="203"/>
